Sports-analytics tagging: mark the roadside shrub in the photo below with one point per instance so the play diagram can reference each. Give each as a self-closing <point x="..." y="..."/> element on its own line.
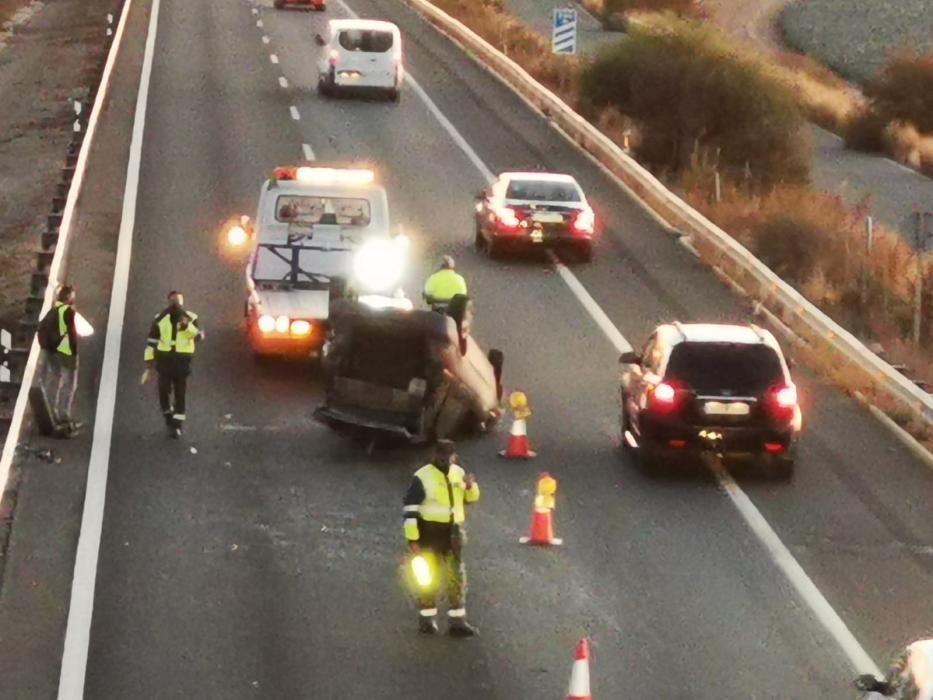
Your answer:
<point x="864" y="131"/>
<point x="688" y="92"/>
<point x="903" y="90"/>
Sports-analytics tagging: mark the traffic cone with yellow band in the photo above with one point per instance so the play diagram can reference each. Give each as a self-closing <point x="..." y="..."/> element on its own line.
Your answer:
<point x="542" y="529"/>
<point x="518" y="446"/>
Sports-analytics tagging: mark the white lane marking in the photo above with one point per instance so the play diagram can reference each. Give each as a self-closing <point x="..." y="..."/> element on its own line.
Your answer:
<point x="81" y="607"/>
<point x="780" y="555"/>
<point x="265" y="39"/>
<point x="273" y="58"/>
<point x="806" y="589"/>
<point x="294" y="112"/>
<point x="306" y="150"/>
<point x="283" y="82"/>
<point x="64" y="234"/>
<point x="259" y="23"/>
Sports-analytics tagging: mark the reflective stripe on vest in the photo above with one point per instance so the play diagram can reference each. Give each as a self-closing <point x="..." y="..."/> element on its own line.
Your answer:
<point x="174" y="339"/>
<point x="64" y="347"/>
<point x="436" y="507"/>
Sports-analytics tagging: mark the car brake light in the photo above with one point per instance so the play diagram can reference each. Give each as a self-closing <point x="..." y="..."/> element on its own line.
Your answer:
<point x="266" y="323"/>
<point x="774" y="448"/>
<point x="664" y="393"/>
<point x="508" y="217"/>
<point x="300" y="328"/>
<point x="584" y="222"/>
<point x="786" y="397"/>
<point x="332" y="58"/>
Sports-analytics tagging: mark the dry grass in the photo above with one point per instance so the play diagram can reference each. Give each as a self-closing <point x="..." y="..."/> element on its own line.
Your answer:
<point x="530" y="50"/>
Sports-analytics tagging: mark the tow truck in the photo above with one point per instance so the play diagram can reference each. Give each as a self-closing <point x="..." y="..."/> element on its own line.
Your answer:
<point x="321" y="234"/>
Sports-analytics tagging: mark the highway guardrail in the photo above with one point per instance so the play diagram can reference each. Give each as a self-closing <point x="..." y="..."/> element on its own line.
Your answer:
<point x="716" y="246"/>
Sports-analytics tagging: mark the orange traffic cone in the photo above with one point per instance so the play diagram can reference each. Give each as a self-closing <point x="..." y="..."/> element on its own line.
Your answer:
<point x="542" y="529"/>
<point x="580" y="675"/>
<point x="518" y="447"/>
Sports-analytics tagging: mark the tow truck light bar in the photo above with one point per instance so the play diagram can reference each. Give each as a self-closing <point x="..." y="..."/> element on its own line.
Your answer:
<point x="324" y="176"/>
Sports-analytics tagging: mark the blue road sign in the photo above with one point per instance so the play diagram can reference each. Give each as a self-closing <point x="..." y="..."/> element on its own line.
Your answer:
<point x="564" y="31"/>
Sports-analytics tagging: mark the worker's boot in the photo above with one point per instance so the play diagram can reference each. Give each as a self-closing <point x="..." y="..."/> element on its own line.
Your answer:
<point x="459" y="627"/>
<point x="427" y="625"/>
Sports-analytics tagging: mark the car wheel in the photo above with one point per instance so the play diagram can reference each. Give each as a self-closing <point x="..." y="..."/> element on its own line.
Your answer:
<point x="493" y="249"/>
<point x="780" y="468"/>
<point x="395" y="95"/>
<point x="321" y="8"/>
<point x="496" y="359"/>
<point x="649" y="462"/>
<point x="478" y="241"/>
<point x="278" y="4"/>
<point x="585" y="254"/>
<point x="625" y="425"/>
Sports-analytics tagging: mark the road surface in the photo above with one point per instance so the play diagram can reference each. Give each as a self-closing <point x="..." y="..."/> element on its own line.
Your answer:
<point x="266" y="564"/>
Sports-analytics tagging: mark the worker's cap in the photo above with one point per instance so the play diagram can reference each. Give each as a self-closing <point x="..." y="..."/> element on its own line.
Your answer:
<point x="447" y="262"/>
<point x="444" y="449"/>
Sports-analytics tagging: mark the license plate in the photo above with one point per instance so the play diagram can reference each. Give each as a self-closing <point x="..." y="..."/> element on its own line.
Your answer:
<point x="548" y="217"/>
<point x="719" y="408"/>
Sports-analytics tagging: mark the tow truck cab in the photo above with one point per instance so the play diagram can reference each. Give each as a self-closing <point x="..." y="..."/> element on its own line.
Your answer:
<point x="415" y="374"/>
<point x="309" y="224"/>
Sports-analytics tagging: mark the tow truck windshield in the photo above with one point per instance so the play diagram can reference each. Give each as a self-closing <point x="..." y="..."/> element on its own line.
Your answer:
<point x="333" y="211"/>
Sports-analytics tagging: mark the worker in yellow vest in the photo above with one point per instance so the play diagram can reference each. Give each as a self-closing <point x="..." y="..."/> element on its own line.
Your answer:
<point x="434" y="527"/>
<point x="173" y="338"/>
<point x="444" y="285"/>
<point x="58" y="339"/>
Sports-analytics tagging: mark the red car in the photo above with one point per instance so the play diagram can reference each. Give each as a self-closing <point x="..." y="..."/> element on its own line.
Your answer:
<point x="319" y="5"/>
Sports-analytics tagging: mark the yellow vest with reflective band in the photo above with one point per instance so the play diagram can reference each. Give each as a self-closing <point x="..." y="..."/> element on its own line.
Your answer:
<point x="444" y="285"/>
<point x="436" y="506"/>
<point x="183" y="342"/>
<point x="64" y="347"/>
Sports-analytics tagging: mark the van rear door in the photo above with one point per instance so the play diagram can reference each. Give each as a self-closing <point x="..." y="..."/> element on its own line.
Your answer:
<point x="368" y="52"/>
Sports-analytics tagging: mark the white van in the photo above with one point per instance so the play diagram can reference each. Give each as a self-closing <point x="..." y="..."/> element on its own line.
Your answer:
<point x="360" y="53"/>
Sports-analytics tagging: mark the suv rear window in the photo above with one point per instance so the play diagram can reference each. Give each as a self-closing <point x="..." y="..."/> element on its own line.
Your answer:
<point x="543" y="191"/>
<point x="714" y="368"/>
<point x="365" y="40"/>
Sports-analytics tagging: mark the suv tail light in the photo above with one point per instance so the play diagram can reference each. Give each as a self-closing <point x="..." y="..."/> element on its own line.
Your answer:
<point x="786" y="397"/>
<point x="584" y="222"/>
<point x="663" y="397"/>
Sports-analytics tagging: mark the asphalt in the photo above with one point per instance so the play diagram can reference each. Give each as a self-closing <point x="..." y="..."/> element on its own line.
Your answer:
<point x="265" y="562"/>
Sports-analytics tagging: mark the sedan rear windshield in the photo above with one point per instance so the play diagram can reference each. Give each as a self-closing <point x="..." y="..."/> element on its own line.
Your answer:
<point x="543" y="191"/>
<point x="725" y="368"/>
<point x="365" y="40"/>
<point x="337" y="211"/>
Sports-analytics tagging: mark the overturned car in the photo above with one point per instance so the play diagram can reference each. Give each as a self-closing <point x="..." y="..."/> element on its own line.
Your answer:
<point x="418" y="375"/>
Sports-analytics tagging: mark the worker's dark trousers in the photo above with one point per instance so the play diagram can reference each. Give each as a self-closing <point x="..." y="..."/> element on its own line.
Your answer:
<point x="447" y="567"/>
<point x="173" y="385"/>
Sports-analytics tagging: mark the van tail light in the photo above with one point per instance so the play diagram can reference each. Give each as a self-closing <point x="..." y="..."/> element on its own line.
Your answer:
<point x="584" y="222"/>
<point x="333" y="56"/>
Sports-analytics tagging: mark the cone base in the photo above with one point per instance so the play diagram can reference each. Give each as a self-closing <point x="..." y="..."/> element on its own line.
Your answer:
<point x="542" y="543"/>
<point x="530" y="454"/>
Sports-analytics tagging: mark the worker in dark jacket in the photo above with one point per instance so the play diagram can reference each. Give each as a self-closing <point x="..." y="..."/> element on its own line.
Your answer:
<point x="58" y="339"/>
<point x="434" y="527"/>
<point x="173" y="337"/>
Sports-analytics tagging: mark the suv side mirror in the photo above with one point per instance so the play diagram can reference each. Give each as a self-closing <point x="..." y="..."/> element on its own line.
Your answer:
<point x="319" y="40"/>
<point x="629" y="358"/>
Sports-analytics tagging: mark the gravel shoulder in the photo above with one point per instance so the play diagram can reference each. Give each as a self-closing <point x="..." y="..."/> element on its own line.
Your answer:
<point x="50" y="57"/>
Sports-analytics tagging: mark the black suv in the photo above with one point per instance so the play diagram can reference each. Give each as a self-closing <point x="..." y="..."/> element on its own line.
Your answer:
<point x="701" y="386"/>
